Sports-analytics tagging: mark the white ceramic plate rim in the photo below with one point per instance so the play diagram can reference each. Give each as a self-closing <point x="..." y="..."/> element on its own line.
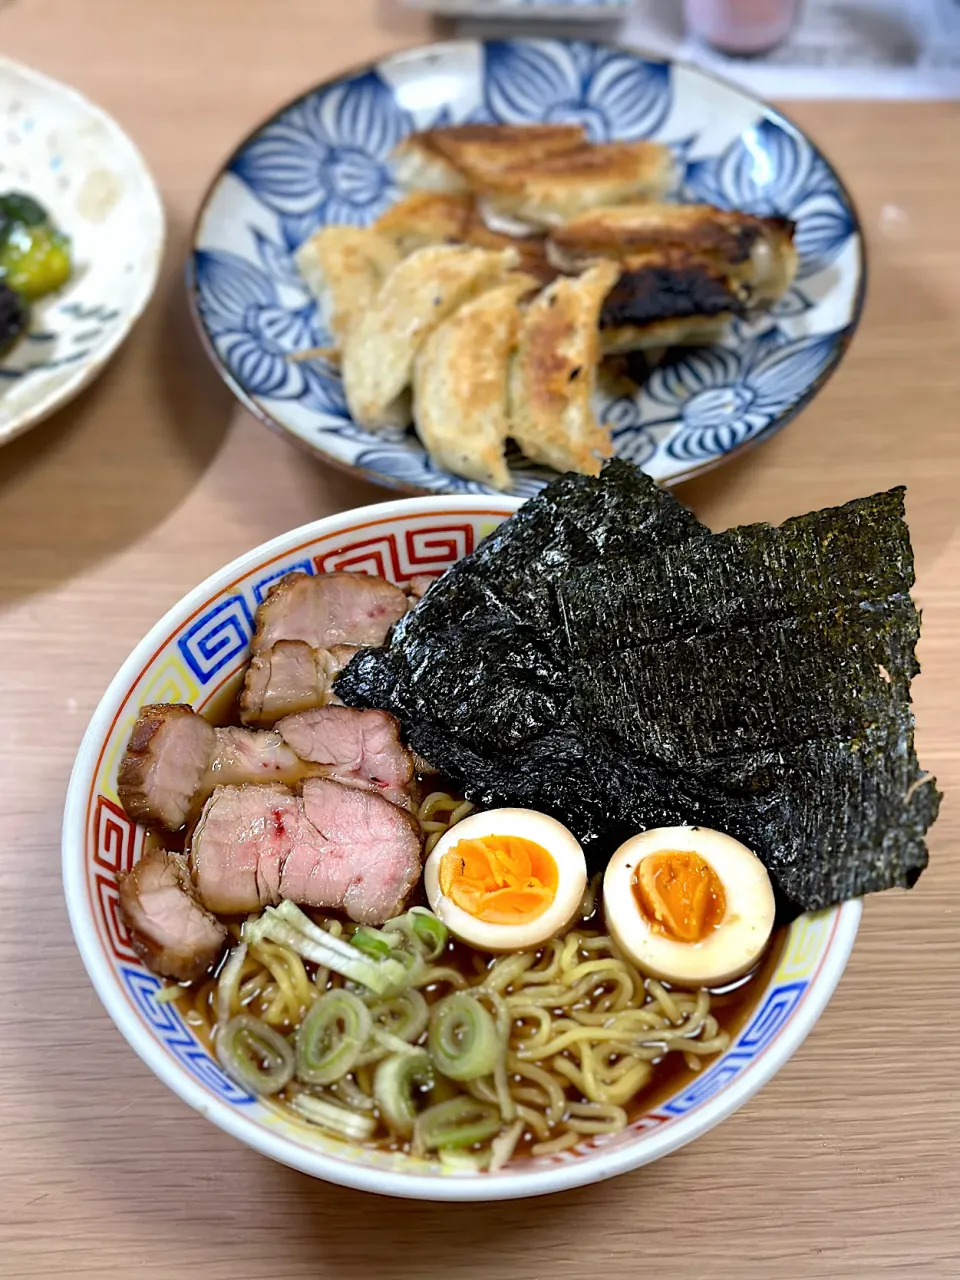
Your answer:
<point x="317" y="1163"/>
<point x="89" y="369"/>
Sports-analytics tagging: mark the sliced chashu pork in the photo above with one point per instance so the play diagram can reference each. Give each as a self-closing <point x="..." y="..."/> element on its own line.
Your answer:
<point x="288" y="677"/>
<point x="330" y="846"/>
<point x="180" y="759"/>
<point x="175" y="758"/>
<point x="328" y="609"/>
<point x="359" y="748"/>
<point x="170" y="930"/>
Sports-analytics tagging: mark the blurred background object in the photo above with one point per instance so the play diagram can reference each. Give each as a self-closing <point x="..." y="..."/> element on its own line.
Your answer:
<point x="741" y="26"/>
<point x="776" y="48"/>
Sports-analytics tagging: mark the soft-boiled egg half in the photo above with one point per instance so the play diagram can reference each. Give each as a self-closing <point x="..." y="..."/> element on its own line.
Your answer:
<point x="688" y="905"/>
<point x="506" y="879"/>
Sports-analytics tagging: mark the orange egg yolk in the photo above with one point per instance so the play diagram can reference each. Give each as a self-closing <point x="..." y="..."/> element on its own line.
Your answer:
<point x="499" y="879"/>
<point x="680" y="895"/>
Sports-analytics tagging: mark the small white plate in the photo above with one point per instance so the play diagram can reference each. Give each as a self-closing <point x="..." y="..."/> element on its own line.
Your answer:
<point x="82" y="167"/>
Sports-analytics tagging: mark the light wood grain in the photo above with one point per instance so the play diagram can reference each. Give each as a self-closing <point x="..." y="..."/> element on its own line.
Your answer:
<point x="846" y="1164"/>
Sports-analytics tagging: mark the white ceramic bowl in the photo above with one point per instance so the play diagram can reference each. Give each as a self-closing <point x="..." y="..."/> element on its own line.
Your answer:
<point x="201" y="643"/>
<point x="82" y="167"/>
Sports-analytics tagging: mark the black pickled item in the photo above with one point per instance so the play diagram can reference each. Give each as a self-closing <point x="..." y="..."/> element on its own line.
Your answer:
<point x="13" y="317"/>
<point x="606" y="659"/>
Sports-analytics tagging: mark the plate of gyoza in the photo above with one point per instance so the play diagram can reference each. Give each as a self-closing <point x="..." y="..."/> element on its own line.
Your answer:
<point x="473" y="265"/>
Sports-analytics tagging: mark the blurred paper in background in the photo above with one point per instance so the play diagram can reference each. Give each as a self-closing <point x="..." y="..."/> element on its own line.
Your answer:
<point x="838" y="48"/>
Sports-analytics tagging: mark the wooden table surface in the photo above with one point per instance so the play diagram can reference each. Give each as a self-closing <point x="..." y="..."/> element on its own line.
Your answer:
<point x="847" y="1163"/>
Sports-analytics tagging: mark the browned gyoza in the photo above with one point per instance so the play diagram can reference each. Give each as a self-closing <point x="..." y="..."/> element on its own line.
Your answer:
<point x="331" y="846"/>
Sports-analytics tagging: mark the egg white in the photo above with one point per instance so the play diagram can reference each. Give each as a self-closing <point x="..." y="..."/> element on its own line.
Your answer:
<point x="551" y="835"/>
<point x="729" y="950"/>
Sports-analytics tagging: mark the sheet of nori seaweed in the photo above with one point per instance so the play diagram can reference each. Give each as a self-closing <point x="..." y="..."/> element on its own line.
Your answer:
<point x="604" y="658"/>
<point x="484" y="649"/>
<point x="772" y="667"/>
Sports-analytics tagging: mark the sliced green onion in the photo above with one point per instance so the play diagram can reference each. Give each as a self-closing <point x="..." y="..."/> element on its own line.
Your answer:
<point x="228" y="984"/>
<point x="411" y="964"/>
<point x="167" y="995"/>
<point x="504" y="1145"/>
<point x="289" y="926"/>
<point x="405" y="1016"/>
<point x="392" y="1044"/>
<point x="426" y="931"/>
<point x="254" y="1055"/>
<point x="351" y="1095"/>
<point x="461" y="1122"/>
<point x="431" y="931"/>
<point x="463" y="1038"/>
<point x="331" y="1037"/>
<point x="334" y="1118"/>
<point x="393" y="1085"/>
<point x="374" y="943"/>
<point x="464" y="1161"/>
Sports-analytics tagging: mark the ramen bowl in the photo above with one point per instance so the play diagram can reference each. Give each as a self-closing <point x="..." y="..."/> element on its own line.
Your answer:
<point x="195" y="653"/>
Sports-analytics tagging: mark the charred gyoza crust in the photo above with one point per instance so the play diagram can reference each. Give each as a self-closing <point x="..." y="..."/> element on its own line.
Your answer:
<point x="666" y="300"/>
<point x="755" y="253"/>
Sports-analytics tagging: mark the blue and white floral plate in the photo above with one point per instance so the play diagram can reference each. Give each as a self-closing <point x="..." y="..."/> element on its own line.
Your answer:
<point x="325" y="159"/>
<point x="81" y="166"/>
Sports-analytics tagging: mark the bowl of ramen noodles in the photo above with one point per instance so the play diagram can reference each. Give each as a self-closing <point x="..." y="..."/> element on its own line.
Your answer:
<point x="460" y="849"/>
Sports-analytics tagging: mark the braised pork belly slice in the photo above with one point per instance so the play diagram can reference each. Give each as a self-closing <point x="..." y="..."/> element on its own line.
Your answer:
<point x="162" y="770"/>
<point x="175" y="758"/>
<point x="328" y="609"/>
<point x="170" y="930"/>
<point x="357" y="748"/>
<point x="330" y="846"/>
<point x="289" y="677"/>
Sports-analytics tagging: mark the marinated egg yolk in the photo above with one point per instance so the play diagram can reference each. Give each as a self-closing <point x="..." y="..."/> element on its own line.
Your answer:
<point x="679" y="895"/>
<point x="499" y="879"/>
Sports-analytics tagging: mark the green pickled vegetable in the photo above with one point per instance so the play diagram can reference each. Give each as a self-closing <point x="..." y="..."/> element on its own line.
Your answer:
<point x="18" y="207"/>
<point x="34" y="260"/>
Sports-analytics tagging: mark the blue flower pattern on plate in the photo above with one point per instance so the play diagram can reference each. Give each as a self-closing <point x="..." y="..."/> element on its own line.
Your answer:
<point x="325" y="159"/>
